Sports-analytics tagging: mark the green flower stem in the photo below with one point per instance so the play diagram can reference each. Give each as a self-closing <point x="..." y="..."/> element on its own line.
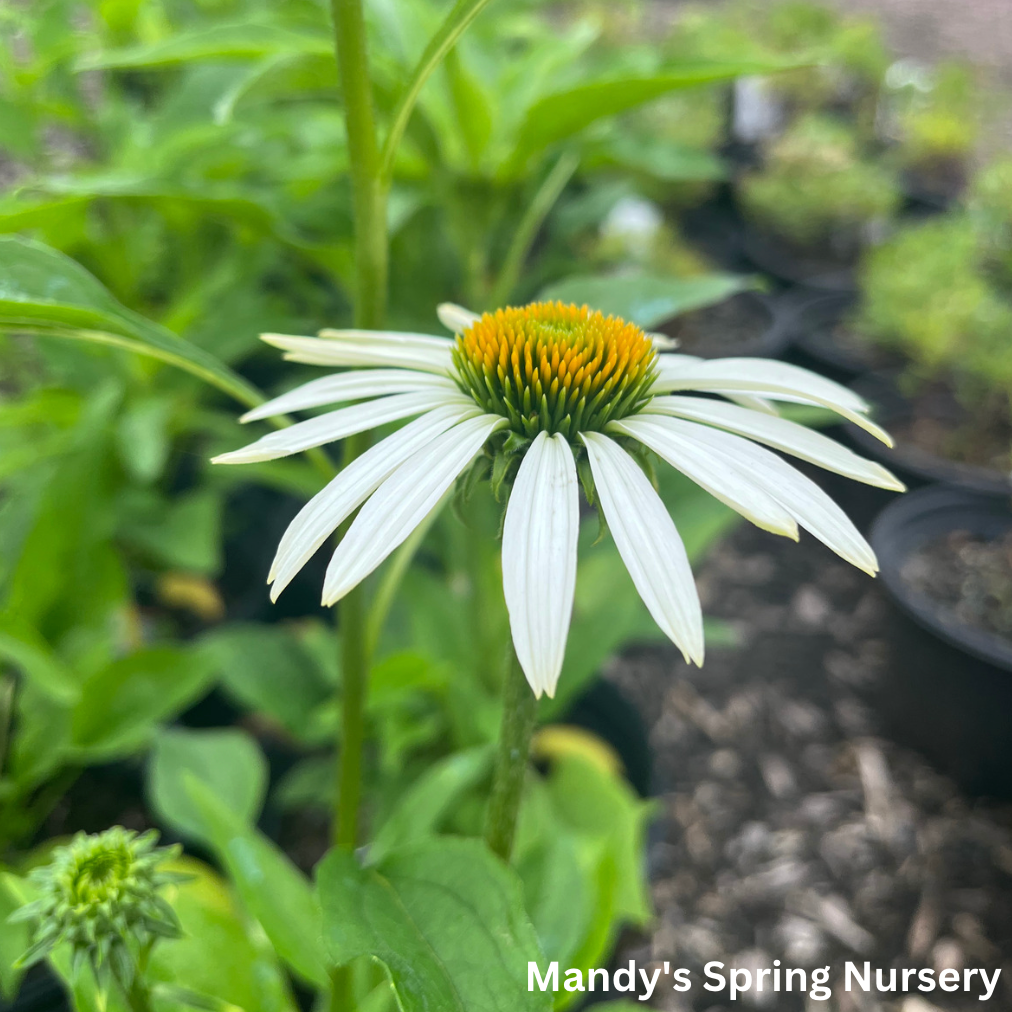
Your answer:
<point x="520" y="708"/>
<point x="369" y="192"/>
<point x="533" y="218"/>
<point x="369" y="195"/>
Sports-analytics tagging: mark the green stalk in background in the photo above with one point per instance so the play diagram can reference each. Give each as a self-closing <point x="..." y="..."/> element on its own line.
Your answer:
<point x="369" y="195"/>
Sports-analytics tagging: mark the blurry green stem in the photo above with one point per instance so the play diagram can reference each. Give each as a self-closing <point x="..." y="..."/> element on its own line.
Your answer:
<point x="534" y="215"/>
<point x="6" y="715"/>
<point x="399" y="564"/>
<point x="520" y="709"/>
<point x="369" y="201"/>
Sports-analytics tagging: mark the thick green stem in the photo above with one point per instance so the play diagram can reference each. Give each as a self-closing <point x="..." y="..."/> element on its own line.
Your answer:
<point x="520" y="708"/>
<point x="369" y="195"/>
<point x="369" y="192"/>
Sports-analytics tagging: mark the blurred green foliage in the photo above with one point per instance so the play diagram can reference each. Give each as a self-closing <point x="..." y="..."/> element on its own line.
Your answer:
<point x="174" y="181"/>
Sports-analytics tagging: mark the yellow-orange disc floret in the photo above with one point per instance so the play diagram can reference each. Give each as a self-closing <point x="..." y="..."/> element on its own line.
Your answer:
<point x="555" y="368"/>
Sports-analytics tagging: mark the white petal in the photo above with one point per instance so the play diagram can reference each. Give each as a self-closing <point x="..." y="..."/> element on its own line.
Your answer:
<point x="380" y="351"/>
<point x="454" y="317"/>
<point x="329" y="508"/>
<point x="808" y="504"/>
<point x="779" y="433"/>
<point x="539" y="558"/>
<point x="349" y="386"/>
<point x="767" y="378"/>
<point x="696" y="462"/>
<point x="648" y="542"/>
<point x="343" y="422"/>
<point x="662" y="342"/>
<point x="671" y="366"/>
<point x="402" y="502"/>
<point x="400" y="338"/>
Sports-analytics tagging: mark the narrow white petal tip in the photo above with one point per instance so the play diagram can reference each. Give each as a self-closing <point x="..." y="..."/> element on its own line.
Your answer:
<point x="455" y="318"/>
<point x="247" y="455"/>
<point x="662" y="342"/>
<point x="250" y="416"/>
<point x="232" y="457"/>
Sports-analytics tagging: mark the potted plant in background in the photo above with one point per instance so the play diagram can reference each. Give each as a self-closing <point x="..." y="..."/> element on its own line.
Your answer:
<point x="934" y="119"/>
<point x="817" y="201"/>
<point x="930" y="296"/>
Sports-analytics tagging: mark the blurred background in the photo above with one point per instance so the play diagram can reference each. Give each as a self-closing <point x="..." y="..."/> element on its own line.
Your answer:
<point x="835" y="783"/>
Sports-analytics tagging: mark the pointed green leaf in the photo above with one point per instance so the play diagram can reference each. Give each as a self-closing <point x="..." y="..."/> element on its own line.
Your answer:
<point x="24" y="648"/>
<point x="43" y="290"/>
<point x="228" y="761"/>
<point x="272" y="889"/>
<point x="239" y="41"/>
<point x="645" y="299"/>
<point x="444" y="916"/>
<point x="560" y="115"/>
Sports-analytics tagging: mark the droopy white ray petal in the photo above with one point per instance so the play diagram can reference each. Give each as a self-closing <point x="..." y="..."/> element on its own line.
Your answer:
<point x="317" y="351"/>
<point x="648" y="542"/>
<point x="779" y="433"/>
<point x="399" y="337"/>
<point x="539" y="558"/>
<point x="343" y="422"/>
<point x="454" y="317"/>
<point x="402" y="502"/>
<point x="810" y="506"/>
<point x="726" y="484"/>
<point x="769" y="379"/>
<point x="349" y="386"/>
<point x="329" y="508"/>
<point x="669" y="366"/>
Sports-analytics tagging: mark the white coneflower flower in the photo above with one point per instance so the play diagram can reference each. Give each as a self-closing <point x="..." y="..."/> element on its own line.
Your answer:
<point x="538" y="388"/>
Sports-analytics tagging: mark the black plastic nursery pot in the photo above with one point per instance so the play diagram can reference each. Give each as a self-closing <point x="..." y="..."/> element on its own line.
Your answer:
<point x="914" y="465"/>
<point x="949" y="690"/>
<point x="751" y="324"/>
<point x="822" y="340"/>
<point x="824" y="269"/>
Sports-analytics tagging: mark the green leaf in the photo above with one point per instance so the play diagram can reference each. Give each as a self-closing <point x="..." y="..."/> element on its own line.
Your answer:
<point x="122" y="703"/>
<point x="268" y="670"/>
<point x="184" y="533"/>
<point x="662" y="158"/>
<point x="560" y="115"/>
<point x="594" y="802"/>
<point x="13" y="938"/>
<point x="444" y="916"/>
<point x="218" y="955"/>
<point x="227" y="761"/>
<point x="645" y="299"/>
<point x="272" y="889"/>
<point x="43" y="290"/>
<point x="239" y="41"/>
<point x="27" y="650"/>
<point x="443" y="40"/>
<point x="420" y="808"/>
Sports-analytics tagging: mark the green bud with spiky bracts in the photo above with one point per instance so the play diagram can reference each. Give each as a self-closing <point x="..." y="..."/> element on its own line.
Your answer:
<point x="99" y="894"/>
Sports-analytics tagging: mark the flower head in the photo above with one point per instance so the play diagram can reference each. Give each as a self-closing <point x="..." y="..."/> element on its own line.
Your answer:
<point x="100" y="894"/>
<point x="542" y="389"/>
<point x="548" y="367"/>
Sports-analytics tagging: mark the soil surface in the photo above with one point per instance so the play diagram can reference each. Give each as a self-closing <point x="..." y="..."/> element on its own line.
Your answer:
<point x="940" y="425"/>
<point x="968" y="578"/>
<point x="791" y="827"/>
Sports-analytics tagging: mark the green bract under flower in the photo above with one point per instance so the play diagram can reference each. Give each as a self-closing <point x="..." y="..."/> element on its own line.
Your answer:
<point x="99" y="894"/>
<point x="549" y="367"/>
